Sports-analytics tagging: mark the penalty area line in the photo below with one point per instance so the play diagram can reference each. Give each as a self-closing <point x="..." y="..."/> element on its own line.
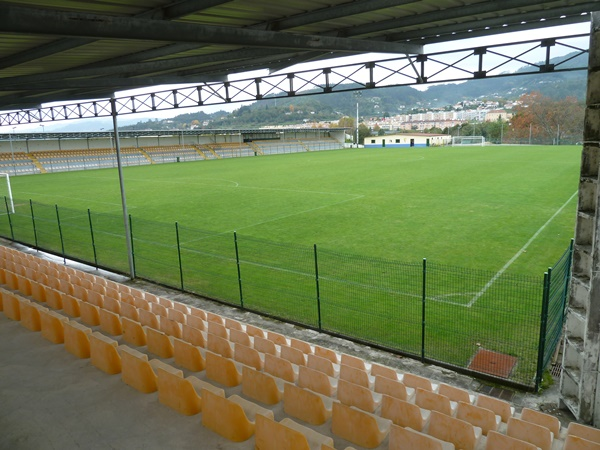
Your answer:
<point x="519" y="253"/>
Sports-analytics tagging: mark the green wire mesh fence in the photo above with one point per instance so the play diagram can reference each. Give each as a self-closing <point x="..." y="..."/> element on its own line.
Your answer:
<point x="499" y="325"/>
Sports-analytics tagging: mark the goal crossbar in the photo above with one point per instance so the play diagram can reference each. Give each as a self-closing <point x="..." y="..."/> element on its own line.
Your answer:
<point x="468" y="140"/>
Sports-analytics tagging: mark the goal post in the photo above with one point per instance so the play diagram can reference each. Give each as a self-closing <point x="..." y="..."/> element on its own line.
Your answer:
<point x="468" y="140"/>
<point x="6" y="192"/>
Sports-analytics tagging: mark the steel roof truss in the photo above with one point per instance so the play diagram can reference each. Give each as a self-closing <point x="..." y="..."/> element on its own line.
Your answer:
<point x="456" y="65"/>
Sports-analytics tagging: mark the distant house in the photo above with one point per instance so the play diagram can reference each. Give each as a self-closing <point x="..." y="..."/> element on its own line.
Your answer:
<point x="408" y="140"/>
<point x="497" y="114"/>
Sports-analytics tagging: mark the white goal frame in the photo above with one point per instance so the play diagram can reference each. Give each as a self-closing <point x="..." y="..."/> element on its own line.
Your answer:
<point x="468" y="141"/>
<point x="11" y="204"/>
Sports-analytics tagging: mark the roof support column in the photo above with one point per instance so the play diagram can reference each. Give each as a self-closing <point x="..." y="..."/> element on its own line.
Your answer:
<point x="580" y="380"/>
<point x="113" y="108"/>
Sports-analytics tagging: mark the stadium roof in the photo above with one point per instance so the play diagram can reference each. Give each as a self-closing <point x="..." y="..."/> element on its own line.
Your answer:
<point x="64" y="50"/>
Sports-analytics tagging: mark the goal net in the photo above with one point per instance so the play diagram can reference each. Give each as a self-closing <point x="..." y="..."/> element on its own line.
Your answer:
<point x="6" y="197"/>
<point x="468" y="140"/>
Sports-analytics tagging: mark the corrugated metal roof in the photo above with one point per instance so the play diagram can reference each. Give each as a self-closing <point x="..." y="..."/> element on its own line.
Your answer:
<point x="108" y="41"/>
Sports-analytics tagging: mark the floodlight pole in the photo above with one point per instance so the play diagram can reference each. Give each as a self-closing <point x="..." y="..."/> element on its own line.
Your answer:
<point x="12" y="152"/>
<point x="356" y="124"/>
<point x="113" y="107"/>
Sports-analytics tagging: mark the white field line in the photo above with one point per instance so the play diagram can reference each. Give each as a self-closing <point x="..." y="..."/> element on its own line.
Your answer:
<point x="274" y="219"/>
<point x="519" y="253"/>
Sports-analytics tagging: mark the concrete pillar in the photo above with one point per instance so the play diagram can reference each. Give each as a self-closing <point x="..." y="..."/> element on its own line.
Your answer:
<point x="580" y="384"/>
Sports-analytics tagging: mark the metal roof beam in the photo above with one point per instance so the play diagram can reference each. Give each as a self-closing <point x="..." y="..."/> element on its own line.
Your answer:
<point x="139" y="68"/>
<point x="475" y="10"/>
<point x="354" y="7"/>
<point x="179" y="9"/>
<point x="335" y="12"/>
<point x="485" y="28"/>
<point x="172" y="11"/>
<point x="65" y="23"/>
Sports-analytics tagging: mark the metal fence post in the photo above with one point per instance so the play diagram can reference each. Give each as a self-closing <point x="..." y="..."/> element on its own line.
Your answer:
<point x="33" y="222"/>
<point x="239" y="270"/>
<point x="318" y="288"/>
<point x="567" y="280"/>
<point x="132" y="250"/>
<point x="179" y="255"/>
<point x="423" y="301"/>
<point x="93" y="240"/>
<point x="62" y="242"/>
<point x="12" y="233"/>
<point x="543" y="324"/>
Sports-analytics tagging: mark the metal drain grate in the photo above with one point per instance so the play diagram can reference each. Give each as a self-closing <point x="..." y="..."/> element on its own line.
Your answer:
<point x="556" y="369"/>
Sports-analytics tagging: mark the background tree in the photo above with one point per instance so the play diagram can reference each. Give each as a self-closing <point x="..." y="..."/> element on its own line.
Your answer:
<point x="363" y="132"/>
<point x="548" y="120"/>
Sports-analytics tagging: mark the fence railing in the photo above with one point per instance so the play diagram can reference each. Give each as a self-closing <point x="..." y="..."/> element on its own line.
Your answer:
<point x="503" y="326"/>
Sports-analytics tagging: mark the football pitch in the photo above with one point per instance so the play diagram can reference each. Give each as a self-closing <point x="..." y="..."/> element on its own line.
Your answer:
<point x="492" y="208"/>
<point x="489" y="220"/>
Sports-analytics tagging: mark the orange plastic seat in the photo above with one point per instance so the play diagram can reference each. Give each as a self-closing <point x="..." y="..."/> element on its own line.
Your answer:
<point x="393" y="388"/>
<point x="353" y="361"/>
<point x="455" y="394"/>
<point x="578" y="443"/>
<point x="137" y="371"/>
<point x="133" y="332"/>
<point x="89" y="314"/>
<point x="354" y="395"/>
<point x="159" y="343"/>
<point x="240" y="337"/>
<point x="327" y="354"/>
<point x="322" y="365"/>
<point x="104" y="354"/>
<point x="188" y="355"/>
<point x="248" y="356"/>
<point x="261" y="386"/>
<point x="462" y="434"/>
<point x="110" y="322"/>
<point x="479" y="417"/>
<point x="293" y="355"/>
<point x="500" y="407"/>
<point x="264" y="345"/>
<point x="407" y="438"/>
<point x="434" y="402"/>
<point x="281" y="368"/>
<point x="316" y="381"/>
<point x="584" y="431"/>
<point x="177" y="392"/>
<point x="288" y="435"/>
<point x="403" y="413"/>
<point x="222" y="370"/>
<point x="30" y="315"/>
<point x="359" y="427"/>
<point x="218" y="330"/>
<point x="306" y="405"/>
<point x="498" y="441"/>
<point x="219" y="345"/>
<point x="193" y="335"/>
<point x="233" y="417"/>
<point x="170" y="327"/>
<point x="53" y="326"/>
<point x="304" y="347"/>
<point x="356" y="376"/>
<point x="71" y="305"/>
<point x="537" y="435"/>
<point x="544" y="420"/>
<point x="416" y="381"/>
<point x="77" y="339"/>
<point x="11" y="306"/>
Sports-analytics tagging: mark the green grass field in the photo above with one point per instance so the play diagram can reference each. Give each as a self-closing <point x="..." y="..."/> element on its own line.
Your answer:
<point x="489" y="220"/>
<point x="467" y="206"/>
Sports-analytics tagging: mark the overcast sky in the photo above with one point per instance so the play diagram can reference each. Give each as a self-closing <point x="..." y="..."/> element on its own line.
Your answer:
<point x="96" y="124"/>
